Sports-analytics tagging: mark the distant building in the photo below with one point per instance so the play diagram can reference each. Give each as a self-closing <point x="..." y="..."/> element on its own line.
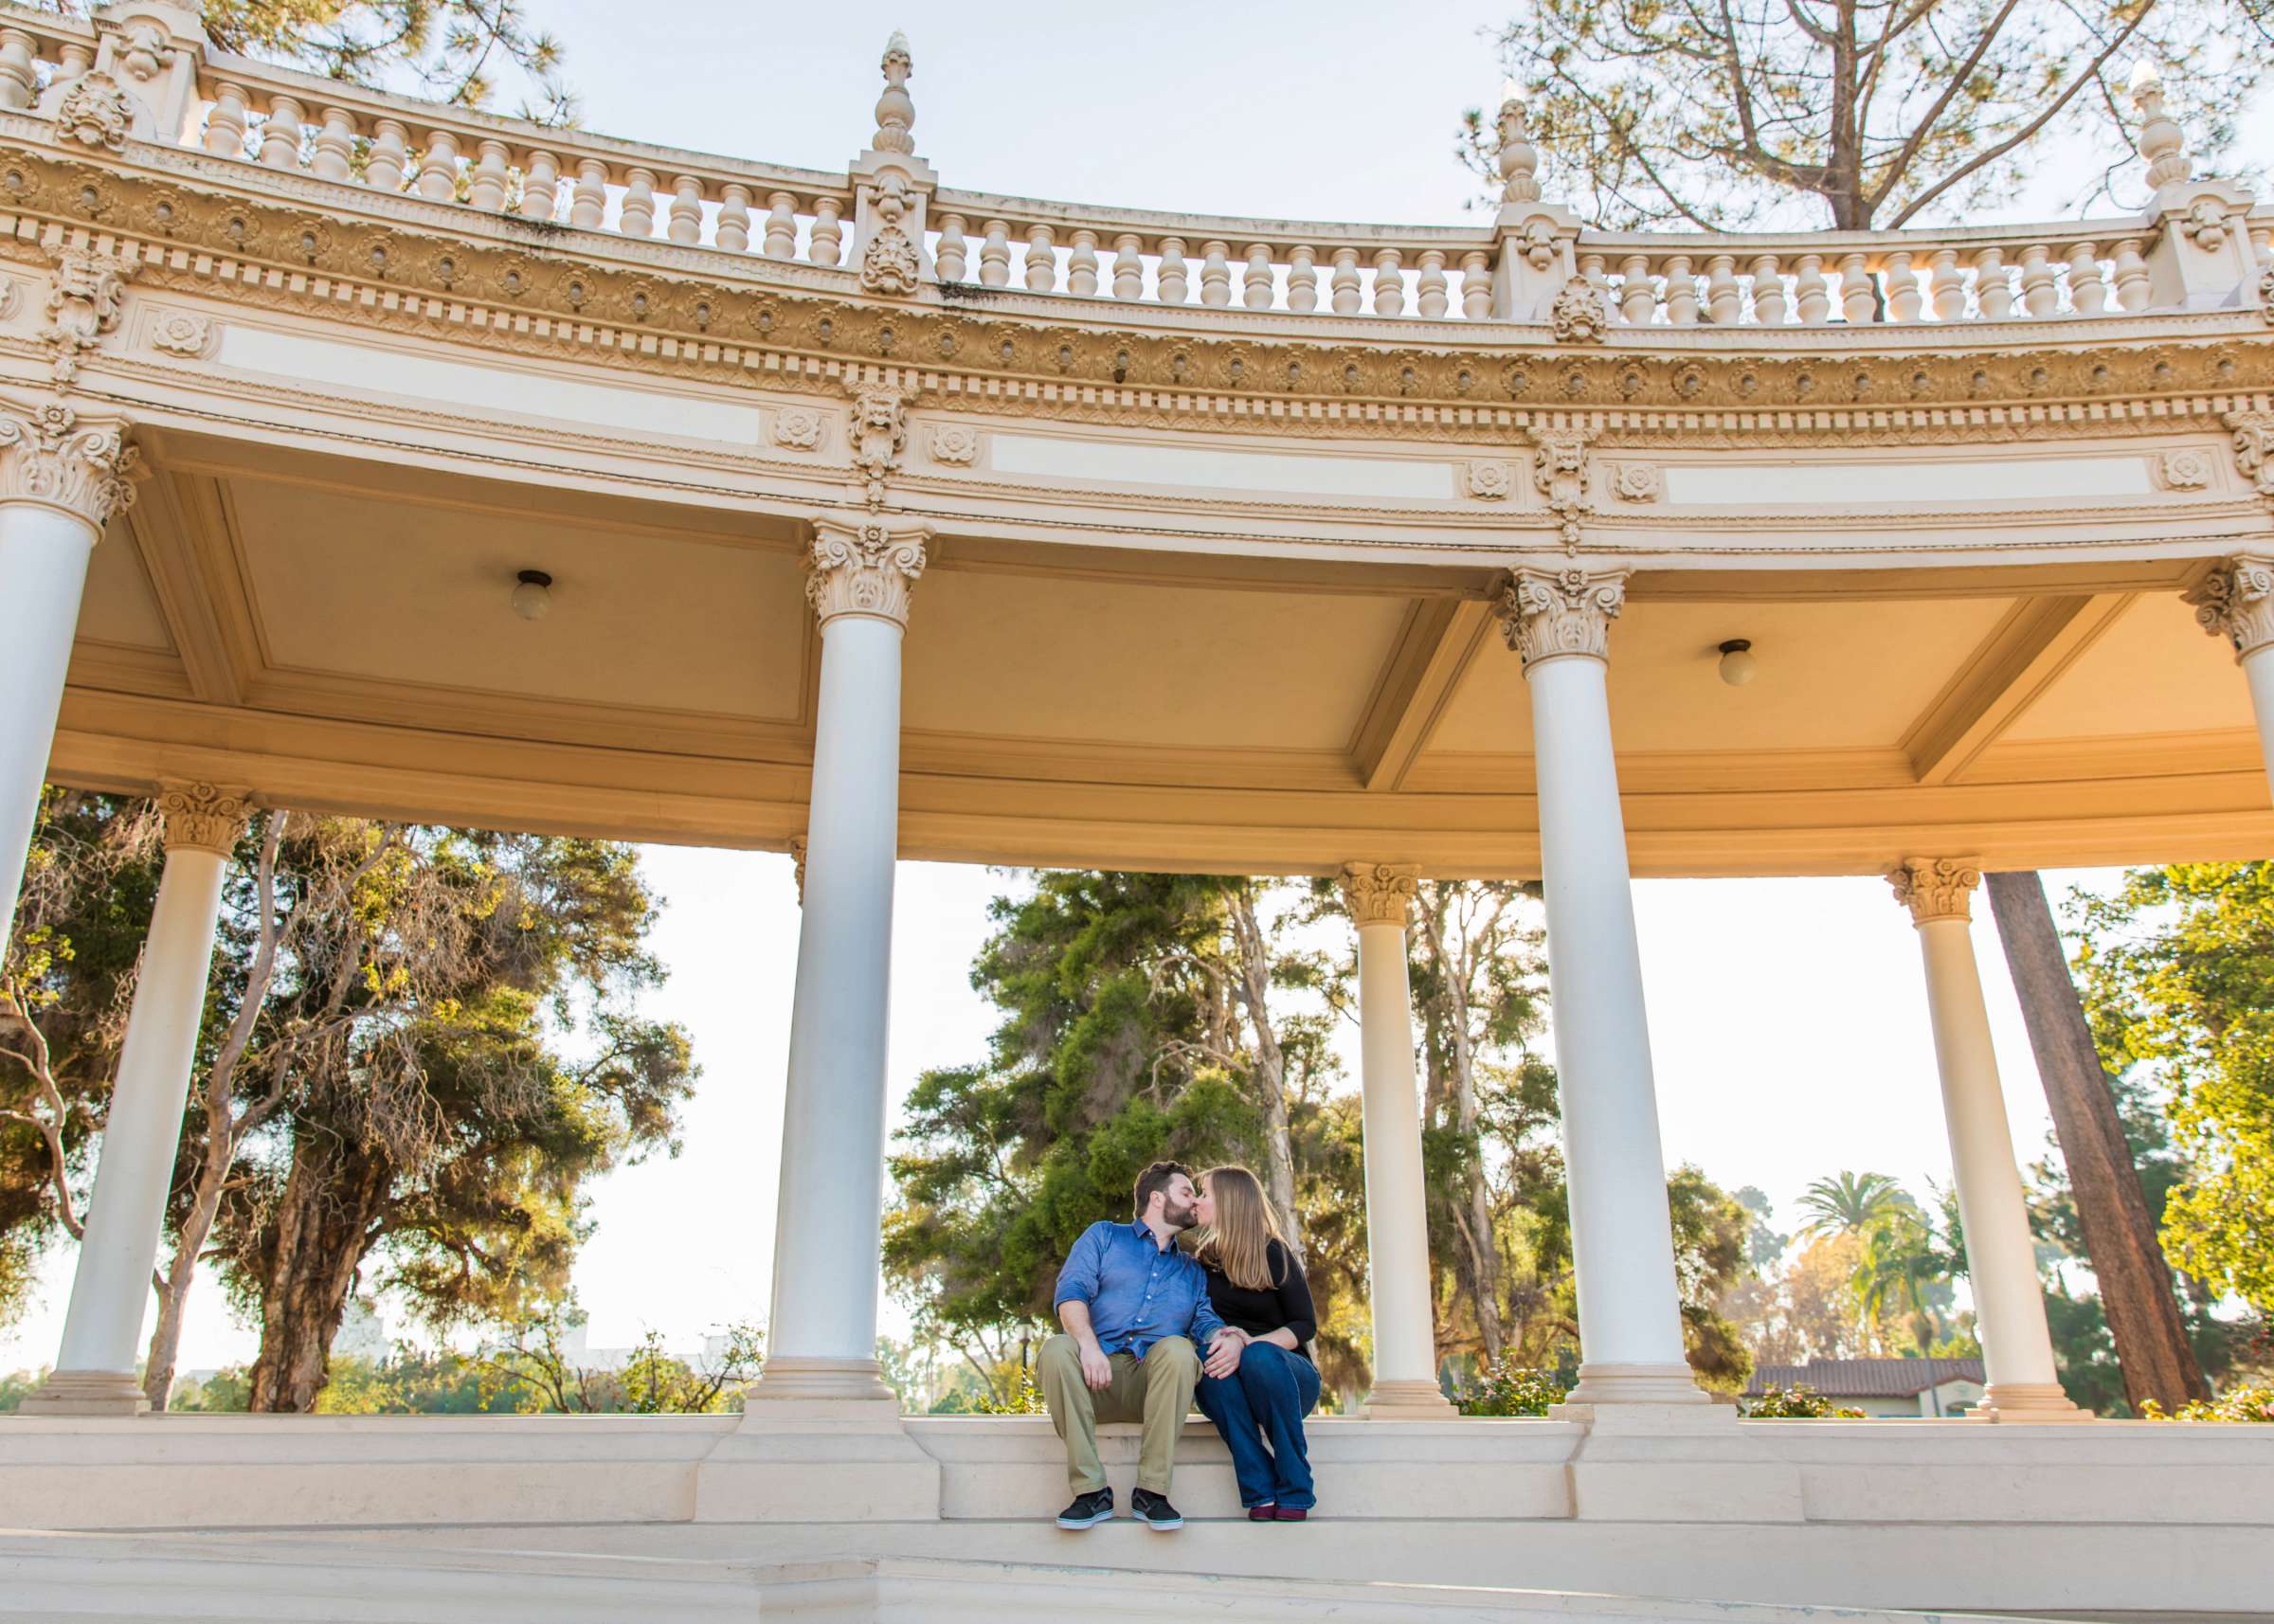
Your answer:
<point x="1897" y="1387"/>
<point x="362" y="1332"/>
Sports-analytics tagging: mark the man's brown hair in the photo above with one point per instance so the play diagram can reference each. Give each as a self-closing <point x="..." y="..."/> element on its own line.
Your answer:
<point x="1157" y="1177"/>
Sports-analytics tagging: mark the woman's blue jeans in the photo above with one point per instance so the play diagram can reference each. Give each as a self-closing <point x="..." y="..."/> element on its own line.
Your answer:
<point x="1259" y="1408"/>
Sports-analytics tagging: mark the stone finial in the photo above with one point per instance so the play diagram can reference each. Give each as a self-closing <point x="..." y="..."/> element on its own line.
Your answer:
<point x="896" y="108"/>
<point x="2236" y="602"/>
<point x="50" y="455"/>
<point x="863" y="567"/>
<point x="1379" y="894"/>
<point x="1546" y="613"/>
<point x="202" y="817"/>
<point x="1519" y="159"/>
<point x="2160" y="142"/>
<point x="1934" y="887"/>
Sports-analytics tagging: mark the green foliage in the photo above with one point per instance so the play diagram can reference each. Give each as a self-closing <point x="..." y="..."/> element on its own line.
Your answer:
<point x="1503" y="1388"/>
<point x="227" y="1392"/>
<point x="18" y="1385"/>
<point x="1798" y="1405"/>
<point x="1025" y="1399"/>
<point x="1710" y="1232"/>
<point x="2235" y="1404"/>
<point x="534" y="1372"/>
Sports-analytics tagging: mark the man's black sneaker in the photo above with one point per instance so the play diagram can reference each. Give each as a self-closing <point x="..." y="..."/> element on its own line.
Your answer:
<point x="1089" y="1509"/>
<point x="1154" y="1512"/>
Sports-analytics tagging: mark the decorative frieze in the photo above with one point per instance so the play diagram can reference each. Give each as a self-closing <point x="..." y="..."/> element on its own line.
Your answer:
<point x="956" y="443"/>
<point x="1637" y="481"/>
<point x="182" y="333"/>
<point x="202" y="817"/>
<point x="85" y="293"/>
<point x="1934" y="887"/>
<point x="1547" y="613"/>
<point x="1492" y="481"/>
<point x="49" y="455"/>
<point x="1379" y="894"/>
<point x="798" y="428"/>
<point x="2189" y="469"/>
<point x="2236" y="602"/>
<point x="863" y="567"/>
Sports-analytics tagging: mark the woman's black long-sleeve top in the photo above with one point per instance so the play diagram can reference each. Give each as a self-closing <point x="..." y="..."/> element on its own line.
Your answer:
<point x="1260" y="1312"/>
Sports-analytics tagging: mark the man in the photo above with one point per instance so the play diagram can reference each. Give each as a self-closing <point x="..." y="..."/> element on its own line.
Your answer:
<point x="1135" y="1308"/>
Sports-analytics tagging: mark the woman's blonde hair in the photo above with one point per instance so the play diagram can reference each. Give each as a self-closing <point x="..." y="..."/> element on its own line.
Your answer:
<point x="1240" y="1243"/>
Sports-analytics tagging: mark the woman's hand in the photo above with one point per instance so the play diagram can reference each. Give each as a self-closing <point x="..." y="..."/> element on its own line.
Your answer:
<point x="1223" y="1353"/>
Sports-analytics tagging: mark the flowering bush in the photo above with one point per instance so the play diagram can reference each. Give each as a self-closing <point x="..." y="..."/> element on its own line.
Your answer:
<point x="1798" y="1405"/>
<point x="2235" y="1404"/>
<point x="1505" y="1389"/>
<point x="1025" y="1400"/>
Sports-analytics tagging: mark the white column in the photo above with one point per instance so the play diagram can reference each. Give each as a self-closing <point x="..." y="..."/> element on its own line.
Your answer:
<point x="103" y="1330"/>
<point x="821" y="1338"/>
<point x="2001" y="1258"/>
<point x="2236" y="602"/>
<point x="1405" y="1349"/>
<point x="61" y="479"/>
<point x="1621" y="1233"/>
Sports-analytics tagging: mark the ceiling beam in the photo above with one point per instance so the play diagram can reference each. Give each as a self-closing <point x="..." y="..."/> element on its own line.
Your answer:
<point x="1439" y="639"/>
<point x="163" y="538"/>
<point x="2023" y="656"/>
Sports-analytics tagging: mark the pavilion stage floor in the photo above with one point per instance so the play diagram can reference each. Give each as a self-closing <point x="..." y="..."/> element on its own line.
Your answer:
<point x="405" y="1520"/>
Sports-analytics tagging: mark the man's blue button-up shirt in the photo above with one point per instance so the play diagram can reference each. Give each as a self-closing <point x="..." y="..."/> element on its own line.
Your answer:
<point x="1138" y="1290"/>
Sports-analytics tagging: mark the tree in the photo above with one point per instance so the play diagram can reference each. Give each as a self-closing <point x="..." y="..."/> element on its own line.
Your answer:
<point x="1861" y="114"/>
<point x="2118" y="1230"/>
<point x="1851" y="1203"/>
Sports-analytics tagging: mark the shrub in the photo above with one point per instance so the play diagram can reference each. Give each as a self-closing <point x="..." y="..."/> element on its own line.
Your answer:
<point x="1025" y="1400"/>
<point x="1502" y="1388"/>
<point x="1798" y="1405"/>
<point x="2235" y="1404"/>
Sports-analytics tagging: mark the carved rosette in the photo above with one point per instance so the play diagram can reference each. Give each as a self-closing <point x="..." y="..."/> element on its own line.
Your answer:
<point x="863" y="568"/>
<point x="51" y="455"/>
<point x="1545" y="614"/>
<point x="1934" y="887"/>
<point x="2236" y="602"/>
<point x="1379" y="894"/>
<point x="202" y="817"/>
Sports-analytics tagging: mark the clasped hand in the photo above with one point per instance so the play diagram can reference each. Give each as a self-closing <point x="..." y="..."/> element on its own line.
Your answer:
<point x="1223" y="1353"/>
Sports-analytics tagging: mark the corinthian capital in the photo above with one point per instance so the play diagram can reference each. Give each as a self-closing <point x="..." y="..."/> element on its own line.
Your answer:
<point x="1934" y="887"/>
<point x="201" y="816"/>
<point x="2236" y="602"/>
<point x="52" y="455"/>
<point x="1544" y="613"/>
<point x="864" y="567"/>
<point x="1378" y="894"/>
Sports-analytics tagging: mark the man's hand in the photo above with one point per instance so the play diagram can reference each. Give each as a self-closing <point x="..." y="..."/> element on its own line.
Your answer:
<point x="1097" y="1370"/>
<point x="1223" y="1353"/>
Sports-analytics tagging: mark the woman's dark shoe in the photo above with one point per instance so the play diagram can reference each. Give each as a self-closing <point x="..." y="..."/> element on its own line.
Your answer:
<point x="1154" y="1512"/>
<point x="1290" y="1514"/>
<point x="1088" y="1511"/>
<point x="1263" y="1513"/>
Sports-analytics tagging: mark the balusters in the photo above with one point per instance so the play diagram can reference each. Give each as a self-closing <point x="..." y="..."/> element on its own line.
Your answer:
<point x="1770" y="306"/>
<point x="2132" y="290"/>
<point x="493" y="174"/>
<point x="281" y="135"/>
<point x="1303" y="280"/>
<point x="225" y="125"/>
<point x="19" y="72"/>
<point x="333" y="157"/>
<point x="1680" y="291"/>
<point x="953" y="256"/>
<point x="1128" y="266"/>
<point x="75" y="59"/>
<point x="1476" y="285"/>
<point x="1431" y="298"/>
<point x="825" y="243"/>
<point x="635" y="216"/>
<point x="1215" y="274"/>
<point x="995" y="256"/>
<point x="388" y="160"/>
<point x="1389" y="283"/>
<point x="1081" y="265"/>
<point x="781" y="226"/>
<point x="1174" y="276"/>
<point x="1341" y="288"/>
<point x="438" y="167"/>
<point x="588" y="202"/>
<point x="1814" y="293"/>
<point x="1637" y="297"/>
<point x="1042" y="260"/>
<point x="1950" y="285"/>
<point x="1592" y="266"/>
<point x="2087" y="292"/>
<point x="1906" y="298"/>
<point x="541" y="185"/>
<point x="1255" y="282"/>
<point x="2039" y="296"/>
<point x="1993" y="286"/>
<point x="686" y="223"/>
<point x="1859" y="300"/>
<point x="1725" y="299"/>
<point x="733" y="234"/>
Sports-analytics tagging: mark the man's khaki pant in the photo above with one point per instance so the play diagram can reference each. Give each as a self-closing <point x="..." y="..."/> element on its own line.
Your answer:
<point x="1156" y="1390"/>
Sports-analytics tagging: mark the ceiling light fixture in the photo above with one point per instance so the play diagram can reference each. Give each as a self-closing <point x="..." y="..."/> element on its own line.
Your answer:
<point x="534" y="596"/>
<point x="1737" y="661"/>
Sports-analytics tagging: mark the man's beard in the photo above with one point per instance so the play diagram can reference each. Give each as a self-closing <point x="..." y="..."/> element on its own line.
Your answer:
<point x="1180" y="1218"/>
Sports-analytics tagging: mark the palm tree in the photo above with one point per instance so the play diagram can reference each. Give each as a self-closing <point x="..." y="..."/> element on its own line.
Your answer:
<point x="1852" y="1203"/>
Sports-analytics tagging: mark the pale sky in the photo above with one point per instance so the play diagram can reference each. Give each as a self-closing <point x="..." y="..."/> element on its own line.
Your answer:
<point x="1788" y="1017"/>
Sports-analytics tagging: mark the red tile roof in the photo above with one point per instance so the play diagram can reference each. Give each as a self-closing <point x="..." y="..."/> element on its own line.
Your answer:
<point x="1865" y="1378"/>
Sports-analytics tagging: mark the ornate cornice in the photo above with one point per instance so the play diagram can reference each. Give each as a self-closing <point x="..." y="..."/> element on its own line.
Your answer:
<point x="202" y="817"/>
<point x="1379" y="894"/>
<point x="2236" y="602"/>
<point x="864" y="567"/>
<point x="52" y="455"/>
<point x="1547" y="614"/>
<point x="1934" y="887"/>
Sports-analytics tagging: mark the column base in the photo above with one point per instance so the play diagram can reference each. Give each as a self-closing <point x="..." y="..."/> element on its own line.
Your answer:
<point x="1657" y="1384"/>
<point x="87" y="1393"/>
<point x="2028" y="1402"/>
<point x="820" y="1441"/>
<point x="1410" y="1400"/>
<point x="847" y="1389"/>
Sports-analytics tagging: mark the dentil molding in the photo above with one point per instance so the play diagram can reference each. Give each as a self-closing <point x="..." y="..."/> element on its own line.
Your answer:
<point x="1547" y="613"/>
<point x="202" y="817"/>
<point x="52" y="455"/>
<point x="2236" y="602"/>
<point x="1379" y="894"/>
<point x="863" y="567"/>
<point x="1934" y="887"/>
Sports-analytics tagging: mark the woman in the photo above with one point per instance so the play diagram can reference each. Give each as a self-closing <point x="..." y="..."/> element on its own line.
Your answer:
<point x="1259" y="1291"/>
